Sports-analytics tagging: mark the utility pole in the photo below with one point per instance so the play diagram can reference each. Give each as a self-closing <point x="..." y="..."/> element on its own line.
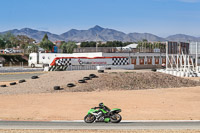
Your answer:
<point x="196" y="58"/>
<point x="166" y="56"/>
<point x="96" y="43"/>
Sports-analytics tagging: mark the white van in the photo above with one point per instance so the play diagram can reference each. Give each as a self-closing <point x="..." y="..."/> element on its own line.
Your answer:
<point x="8" y="50"/>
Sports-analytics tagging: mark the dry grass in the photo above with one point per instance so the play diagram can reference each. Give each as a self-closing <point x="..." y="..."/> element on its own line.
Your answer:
<point x="99" y="131"/>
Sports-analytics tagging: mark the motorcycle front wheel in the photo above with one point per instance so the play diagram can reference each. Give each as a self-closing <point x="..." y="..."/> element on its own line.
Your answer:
<point x="116" y="118"/>
<point x="89" y="118"/>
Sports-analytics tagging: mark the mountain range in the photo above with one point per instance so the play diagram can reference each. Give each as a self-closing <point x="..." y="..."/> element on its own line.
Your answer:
<point x="98" y="33"/>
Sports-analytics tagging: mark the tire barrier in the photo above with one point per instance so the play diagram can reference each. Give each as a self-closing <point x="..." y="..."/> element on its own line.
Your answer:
<point x="71" y="85"/>
<point x="82" y="81"/>
<point x="108" y="68"/>
<point x="34" y="77"/>
<point x="92" y="76"/>
<point x="86" y="78"/>
<point x="154" y="69"/>
<point x="21" y="81"/>
<point x="100" y="71"/>
<point x="3" y="85"/>
<point x="57" y="88"/>
<point x="13" y="83"/>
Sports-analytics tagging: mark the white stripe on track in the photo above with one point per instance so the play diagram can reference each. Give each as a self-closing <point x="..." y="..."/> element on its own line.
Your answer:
<point x="133" y="121"/>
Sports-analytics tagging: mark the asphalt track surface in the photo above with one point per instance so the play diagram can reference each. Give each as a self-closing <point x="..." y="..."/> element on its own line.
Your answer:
<point x="82" y="125"/>
<point x="13" y="77"/>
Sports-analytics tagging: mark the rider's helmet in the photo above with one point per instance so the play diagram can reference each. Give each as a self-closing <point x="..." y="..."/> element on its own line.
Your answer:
<point x="101" y="105"/>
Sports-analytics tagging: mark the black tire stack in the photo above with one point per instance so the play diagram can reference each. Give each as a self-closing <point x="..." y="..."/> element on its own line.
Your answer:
<point x="86" y="78"/>
<point x="57" y="88"/>
<point x="82" y="81"/>
<point x="71" y="85"/>
<point x="154" y="69"/>
<point x="22" y="81"/>
<point x="93" y="76"/>
<point x="13" y="83"/>
<point x="34" y="77"/>
<point x="100" y="71"/>
<point x="3" y="85"/>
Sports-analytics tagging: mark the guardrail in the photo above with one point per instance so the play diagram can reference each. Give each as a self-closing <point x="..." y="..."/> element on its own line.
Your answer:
<point x="19" y="69"/>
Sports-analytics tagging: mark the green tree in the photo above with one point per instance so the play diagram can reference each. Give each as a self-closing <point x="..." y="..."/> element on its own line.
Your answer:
<point x="2" y="44"/>
<point x="45" y="37"/>
<point x="68" y="47"/>
<point x="7" y="39"/>
<point x="24" y="41"/>
<point x="32" y="48"/>
<point x="46" y="44"/>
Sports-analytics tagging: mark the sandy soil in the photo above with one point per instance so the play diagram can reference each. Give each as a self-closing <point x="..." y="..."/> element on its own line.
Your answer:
<point x="99" y="131"/>
<point x="36" y="100"/>
<point x="46" y="82"/>
<point x="157" y="104"/>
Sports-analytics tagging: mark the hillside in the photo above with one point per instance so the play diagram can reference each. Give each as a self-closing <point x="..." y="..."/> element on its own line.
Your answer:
<point x="98" y="33"/>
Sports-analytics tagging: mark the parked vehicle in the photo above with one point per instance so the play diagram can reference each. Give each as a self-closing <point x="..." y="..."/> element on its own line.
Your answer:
<point x="8" y="50"/>
<point x="17" y="51"/>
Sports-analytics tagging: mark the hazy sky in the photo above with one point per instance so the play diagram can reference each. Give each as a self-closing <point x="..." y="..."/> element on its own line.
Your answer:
<point x="160" y="17"/>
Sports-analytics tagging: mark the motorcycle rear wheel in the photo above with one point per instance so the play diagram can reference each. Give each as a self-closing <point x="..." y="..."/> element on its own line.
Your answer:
<point x="116" y="118"/>
<point x="89" y="118"/>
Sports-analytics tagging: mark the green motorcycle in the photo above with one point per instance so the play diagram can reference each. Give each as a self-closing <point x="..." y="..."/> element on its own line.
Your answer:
<point x="100" y="115"/>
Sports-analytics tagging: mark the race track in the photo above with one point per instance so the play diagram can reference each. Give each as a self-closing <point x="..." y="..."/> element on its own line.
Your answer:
<point x="82" y="125"/>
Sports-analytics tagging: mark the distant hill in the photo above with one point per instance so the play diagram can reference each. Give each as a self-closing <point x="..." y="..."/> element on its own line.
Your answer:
<point x="35" y="34"/>
<point x="100" y="34"/>
<point x="182" y="37"/>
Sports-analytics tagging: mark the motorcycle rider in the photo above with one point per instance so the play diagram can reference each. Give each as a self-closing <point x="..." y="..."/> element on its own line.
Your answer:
<point x="102" y="106"/>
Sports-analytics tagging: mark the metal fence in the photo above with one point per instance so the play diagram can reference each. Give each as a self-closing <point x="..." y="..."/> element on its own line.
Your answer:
<point x="81" y="67"/>
<point x="19" y="69"/>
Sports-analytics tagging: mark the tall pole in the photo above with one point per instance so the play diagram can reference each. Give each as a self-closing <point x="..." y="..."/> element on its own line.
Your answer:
<point x="166" y="56"/>
<point x="196" y="58"/>
<point x="96" y="43"/>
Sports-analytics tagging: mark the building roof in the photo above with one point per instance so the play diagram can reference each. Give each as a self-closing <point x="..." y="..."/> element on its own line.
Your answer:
<point x="131" y="46"/>
<point x="128" y="47"/>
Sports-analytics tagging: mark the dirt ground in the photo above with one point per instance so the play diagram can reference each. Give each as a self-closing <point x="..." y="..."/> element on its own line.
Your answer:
<point x="99" y="131"/>
<point x="157" y="104"/>
<point x="111" y="80"/>
<point x="148" y="104"/>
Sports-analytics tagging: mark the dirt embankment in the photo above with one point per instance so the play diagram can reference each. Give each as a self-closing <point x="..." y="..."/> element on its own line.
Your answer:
<point x="135" y="81"/>
<point x="123" y="80"/>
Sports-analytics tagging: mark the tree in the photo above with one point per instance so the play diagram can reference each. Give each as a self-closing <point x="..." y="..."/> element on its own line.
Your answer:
<point x="32" y="48"/>
<point x="2" y="44"/>
<point x="45" y="37"/>
<point x="24" y="41"/>
<point x="68" y="47"/>
<point x="46" y="44"/>
<point x="7" y="38"/>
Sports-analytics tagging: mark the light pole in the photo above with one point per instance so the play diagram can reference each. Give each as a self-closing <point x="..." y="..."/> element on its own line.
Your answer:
<point x="96" y="43"/>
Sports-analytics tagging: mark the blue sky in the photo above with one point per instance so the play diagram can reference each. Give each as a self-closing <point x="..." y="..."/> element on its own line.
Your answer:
<point x="160" y="17"/>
